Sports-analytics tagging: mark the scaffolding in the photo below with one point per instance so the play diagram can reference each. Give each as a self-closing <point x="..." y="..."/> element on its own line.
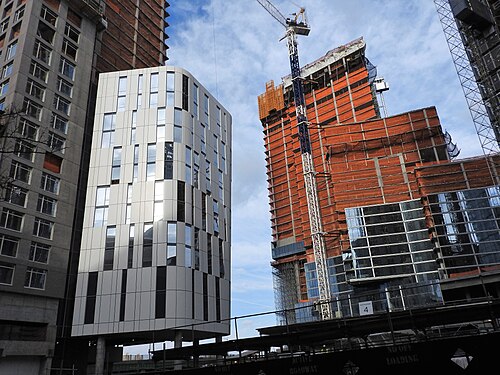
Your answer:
<point x="285" y="279"/>
<point x="482" y="101"/>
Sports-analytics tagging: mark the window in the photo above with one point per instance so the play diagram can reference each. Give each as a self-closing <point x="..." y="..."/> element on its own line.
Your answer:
<point x="181" y="201"/>
<point x="16" y="195"/>
<point x="158" y="202"/>
<point x="4" y="88"/>
<point x="71" y="33"/>
<point x="49" y="183"/>
<point x="136" y="163"/>
<point x="178" y="125"/>
<point x="161" y="293"/>
<point x="171" y="243"/>
<point x="188" y="166"/>
<point x="205" y="108"/>
<point x="108" y="130"/>
<point x="43" y="228"/>
<point x="24" y="150"/>
<point x="139" y="90"/>
<point x="216" y="217"/>
<point x="11" y="51"/>
<point x="101" y="206"/>
<point x="128" y="208"/>
<point x="109" y="248"/>
<point x="116" y="163"/>
<point x="151" y="162"/>
<point x="170" y="89"/>
<point x="221" y="186"/>
<point x="56" y="142"/>
<point x="35" y="278"/>
<point x="32" y="108"/>
<point x="69" y="49"/>
<point x="223" y="157"/>
<point x="8" y="246"/>
<point x="45" y="32"/>
<point x="202" y="139"/>
<point x="196" y="170"/>
<point x="19" y="14"/>
<point x="133" y="129"/>
<point x="65" y="87"/>
<point x="39" y="252"/>
<point x="35" y="89"/>
<point x="153" y="93"/>
<point x="59" y="123"/>
<point x="7" y="70"/>
<point x="195" y="100"/>
<point x="4" y="25"/>
<point x="48" y="15"/>
<point x="11" y="219"/>
<point x="160" y="124"/>
<point x="36" y="70"/>
<point x="147" y="248"/>
<point x="188" y="261"/>
<point x="91" y="298"/>
<point x="20" y="172"/>
<point x="130" y="255"/>
<point x="216" y="153"/>
<point x="66" y="68"/>
<point x="218" y="119"/>
<point x="62" y="104"/>
<point x="208" y="182"/>
<point x="168" y="169"/>
<point x="52" y="162"/>
<point x="122" y="91"/>
<point x="27" y="129"/>
<point x="46" y="205"/>
<point x="209" y="252"/>
<point x="6" y="273"/>
<point x="42" y="52"/>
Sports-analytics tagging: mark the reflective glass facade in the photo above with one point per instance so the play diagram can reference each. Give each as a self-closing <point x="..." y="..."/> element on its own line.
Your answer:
<point x="467" y="228"/>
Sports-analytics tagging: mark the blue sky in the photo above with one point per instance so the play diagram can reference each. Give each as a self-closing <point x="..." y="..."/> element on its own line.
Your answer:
<point x="233" y="49"/>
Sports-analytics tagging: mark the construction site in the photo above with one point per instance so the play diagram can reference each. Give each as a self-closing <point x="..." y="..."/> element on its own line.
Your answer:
<point x="397" y="210"/>
<point x="385" y="245"/>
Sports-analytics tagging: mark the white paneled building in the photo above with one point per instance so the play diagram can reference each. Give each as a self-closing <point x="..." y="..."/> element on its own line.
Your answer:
<point x="155" y="255"/>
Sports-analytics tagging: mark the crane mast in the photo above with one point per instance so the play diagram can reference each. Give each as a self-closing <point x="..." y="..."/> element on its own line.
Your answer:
<point x="300" y="27"/>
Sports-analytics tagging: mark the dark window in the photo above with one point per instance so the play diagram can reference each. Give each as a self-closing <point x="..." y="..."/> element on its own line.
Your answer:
<point x="147" y="248"/>
<point x="91" y="298"/>
<point x="221" y="259"/>
<point x="205" y="296"/>
<point x="130" y="255"/>
<point x="169" y="161"/>
<point x="123" y="295"/>
<point x="181" y="201"/>
<point x="109" y="250"/>
<point x="161" y="286"/>
<point x="185" y="94"/>
<point x="209" y="252"/>
<point x="217" y="299"/>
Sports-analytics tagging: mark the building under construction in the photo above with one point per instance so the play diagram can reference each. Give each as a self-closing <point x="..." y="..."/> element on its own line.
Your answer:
<point x="400" y="218"/>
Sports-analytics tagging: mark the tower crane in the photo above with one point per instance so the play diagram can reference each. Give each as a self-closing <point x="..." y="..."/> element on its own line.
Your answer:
<point x="298" y="26"/>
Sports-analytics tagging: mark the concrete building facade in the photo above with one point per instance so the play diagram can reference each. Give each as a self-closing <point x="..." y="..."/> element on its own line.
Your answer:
<point x="155" y="259"/>
<point x="49" y="59"/>
<point x="386" y="239"/>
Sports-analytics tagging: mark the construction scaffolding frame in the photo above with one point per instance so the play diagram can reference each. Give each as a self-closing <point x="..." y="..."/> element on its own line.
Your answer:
<point x="478" y="95"/>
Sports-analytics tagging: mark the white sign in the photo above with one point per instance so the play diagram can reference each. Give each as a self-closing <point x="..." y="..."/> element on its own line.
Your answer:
<point x="366" y="308"/>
